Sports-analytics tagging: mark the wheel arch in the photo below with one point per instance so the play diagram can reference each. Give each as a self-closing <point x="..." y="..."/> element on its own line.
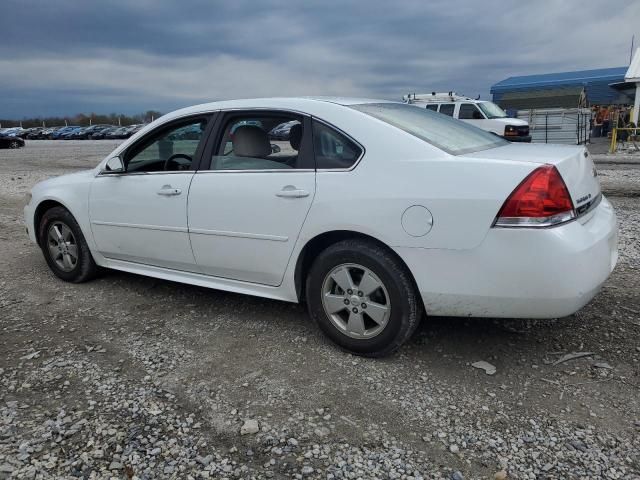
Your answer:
<point x="324" y="240"/>
<point x="44" y="206"/>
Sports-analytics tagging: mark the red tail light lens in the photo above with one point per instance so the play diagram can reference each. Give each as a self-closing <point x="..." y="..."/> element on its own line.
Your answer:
<point x="541" y="200"/>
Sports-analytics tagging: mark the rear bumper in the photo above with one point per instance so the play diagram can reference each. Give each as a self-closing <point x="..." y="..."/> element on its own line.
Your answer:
<point x="520" y="273"/>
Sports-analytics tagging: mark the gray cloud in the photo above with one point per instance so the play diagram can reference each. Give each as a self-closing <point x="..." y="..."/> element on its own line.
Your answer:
<point x="68" y="56"/>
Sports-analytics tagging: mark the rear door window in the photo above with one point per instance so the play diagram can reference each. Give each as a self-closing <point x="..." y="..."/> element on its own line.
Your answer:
<point x="433" y="106"/>
<point x="260" y="141"/>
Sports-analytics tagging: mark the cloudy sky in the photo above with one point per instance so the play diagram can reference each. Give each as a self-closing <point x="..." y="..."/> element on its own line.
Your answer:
<point x="64" y="57"/>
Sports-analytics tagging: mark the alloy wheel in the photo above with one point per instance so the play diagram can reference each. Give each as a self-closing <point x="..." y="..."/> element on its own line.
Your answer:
<point x="356" y="301"/>
<point x="14" y="144"/>
<point x="62" y="245"/>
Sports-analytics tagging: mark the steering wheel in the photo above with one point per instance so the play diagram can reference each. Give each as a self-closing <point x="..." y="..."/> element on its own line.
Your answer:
<point x="181" y="166"/>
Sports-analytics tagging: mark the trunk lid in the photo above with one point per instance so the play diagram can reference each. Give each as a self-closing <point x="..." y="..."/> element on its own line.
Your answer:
<point x="572" y="161"/>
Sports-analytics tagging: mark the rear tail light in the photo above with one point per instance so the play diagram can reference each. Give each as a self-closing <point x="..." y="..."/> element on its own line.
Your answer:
<point x="541" y="200"/>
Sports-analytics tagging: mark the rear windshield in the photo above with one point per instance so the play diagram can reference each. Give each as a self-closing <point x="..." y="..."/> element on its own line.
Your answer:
<point x="452" y="136"/>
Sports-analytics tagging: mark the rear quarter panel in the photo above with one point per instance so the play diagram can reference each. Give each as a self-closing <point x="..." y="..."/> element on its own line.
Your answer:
<point x="398" y="171"/>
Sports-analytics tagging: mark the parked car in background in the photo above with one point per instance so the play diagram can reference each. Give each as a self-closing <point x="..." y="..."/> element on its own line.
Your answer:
<point x="480" y="113"/>
<point x="48" y="132"/>
<point x="10" y="141"/>
<point x="34" y="133"/>
<point x="131" y="129"/>
<point x="14" y="132"/>
<point x="281" y="132"/>
<point x="59" y="133"/>
<point x="375" y="213"/>
<point x="74" y="134"/>
<point x="101" y="134"/>
<point x="68" y="135"/>
<point x="117" y="133"/>
<point x="123" y="132"/>
<point x="86" y="133"/>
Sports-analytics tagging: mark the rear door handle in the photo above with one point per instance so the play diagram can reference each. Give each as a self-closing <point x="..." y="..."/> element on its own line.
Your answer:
<point x="169" y="191"/>
<point x="292" y="192"/>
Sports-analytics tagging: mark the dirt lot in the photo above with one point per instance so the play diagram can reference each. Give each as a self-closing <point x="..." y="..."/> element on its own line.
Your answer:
<point x="132" y="377"/>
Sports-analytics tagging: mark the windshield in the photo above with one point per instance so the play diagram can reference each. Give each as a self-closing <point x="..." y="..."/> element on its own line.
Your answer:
<point x="452" y="136"/>
<point x="491" y="110"/>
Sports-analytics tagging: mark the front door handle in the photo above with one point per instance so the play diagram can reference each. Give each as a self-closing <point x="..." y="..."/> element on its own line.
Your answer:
<point x="169" y="191"/>
<point x="292" y="192"/>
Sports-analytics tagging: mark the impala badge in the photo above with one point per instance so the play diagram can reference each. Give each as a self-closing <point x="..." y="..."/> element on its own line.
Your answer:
<point x="584" y="199"/>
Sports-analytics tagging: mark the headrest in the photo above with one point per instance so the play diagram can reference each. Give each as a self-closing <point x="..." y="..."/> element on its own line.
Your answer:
<point x="251" y="141"/>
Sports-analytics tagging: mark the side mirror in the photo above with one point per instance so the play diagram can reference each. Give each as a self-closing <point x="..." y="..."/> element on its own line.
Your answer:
<point x="114" y="165"/>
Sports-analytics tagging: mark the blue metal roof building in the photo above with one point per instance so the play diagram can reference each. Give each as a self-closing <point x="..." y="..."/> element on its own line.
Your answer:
<point x="597" y="86"/>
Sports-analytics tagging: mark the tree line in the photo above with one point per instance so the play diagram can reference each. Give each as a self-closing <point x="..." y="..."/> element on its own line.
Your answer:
<point x="83" y="120"/>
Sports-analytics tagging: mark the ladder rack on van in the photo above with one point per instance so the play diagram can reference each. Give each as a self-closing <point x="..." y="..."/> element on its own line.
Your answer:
<point x="434" y="97"/>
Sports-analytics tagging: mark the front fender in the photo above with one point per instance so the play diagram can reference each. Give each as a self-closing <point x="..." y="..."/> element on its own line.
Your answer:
<point x="69" y="191"/>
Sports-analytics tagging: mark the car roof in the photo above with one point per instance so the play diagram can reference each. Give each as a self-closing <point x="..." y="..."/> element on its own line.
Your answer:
<point x="303" y="104"/>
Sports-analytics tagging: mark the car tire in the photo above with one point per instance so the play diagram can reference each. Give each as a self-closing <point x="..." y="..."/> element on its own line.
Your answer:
<point x="14" y="144"/>
<point x="64" y="246"/>
<point x="366" y="333"/>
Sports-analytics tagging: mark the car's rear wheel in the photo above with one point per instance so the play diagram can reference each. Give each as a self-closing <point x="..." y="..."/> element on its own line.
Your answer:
<point x="64" y="246"/>
<point x="14" y="144"/>
<point x="363" y="298"/>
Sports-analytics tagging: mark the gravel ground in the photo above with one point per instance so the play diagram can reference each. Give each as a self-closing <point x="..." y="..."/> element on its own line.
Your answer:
<point x="133" y="377"/>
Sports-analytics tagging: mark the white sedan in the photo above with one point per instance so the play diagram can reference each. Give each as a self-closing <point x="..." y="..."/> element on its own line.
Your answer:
<point x="372" y="212"/>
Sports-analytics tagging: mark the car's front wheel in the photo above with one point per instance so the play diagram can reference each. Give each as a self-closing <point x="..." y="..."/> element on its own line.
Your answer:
<point x="363" y="298"/>
<point x="64" y="246"/>
<point x="14" y="144"/>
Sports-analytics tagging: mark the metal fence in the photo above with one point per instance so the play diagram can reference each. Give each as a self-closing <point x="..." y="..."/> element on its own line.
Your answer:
<point x="558" y="125"/>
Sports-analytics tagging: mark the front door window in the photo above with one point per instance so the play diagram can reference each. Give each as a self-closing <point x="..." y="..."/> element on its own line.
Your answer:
<point x="171" y="149"/>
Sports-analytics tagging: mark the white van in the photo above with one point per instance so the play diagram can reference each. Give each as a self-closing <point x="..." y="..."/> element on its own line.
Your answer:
<point x="481" y="113"/>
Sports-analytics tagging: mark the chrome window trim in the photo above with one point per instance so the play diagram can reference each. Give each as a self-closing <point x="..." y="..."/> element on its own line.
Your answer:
<point x="260" y="109"/>
<point x="241" y="109"/>
<point x="129" y="142"/>
<point x="132" y="174"/>
<point x="328" y="124"/>
<point x="255" y="170"/>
